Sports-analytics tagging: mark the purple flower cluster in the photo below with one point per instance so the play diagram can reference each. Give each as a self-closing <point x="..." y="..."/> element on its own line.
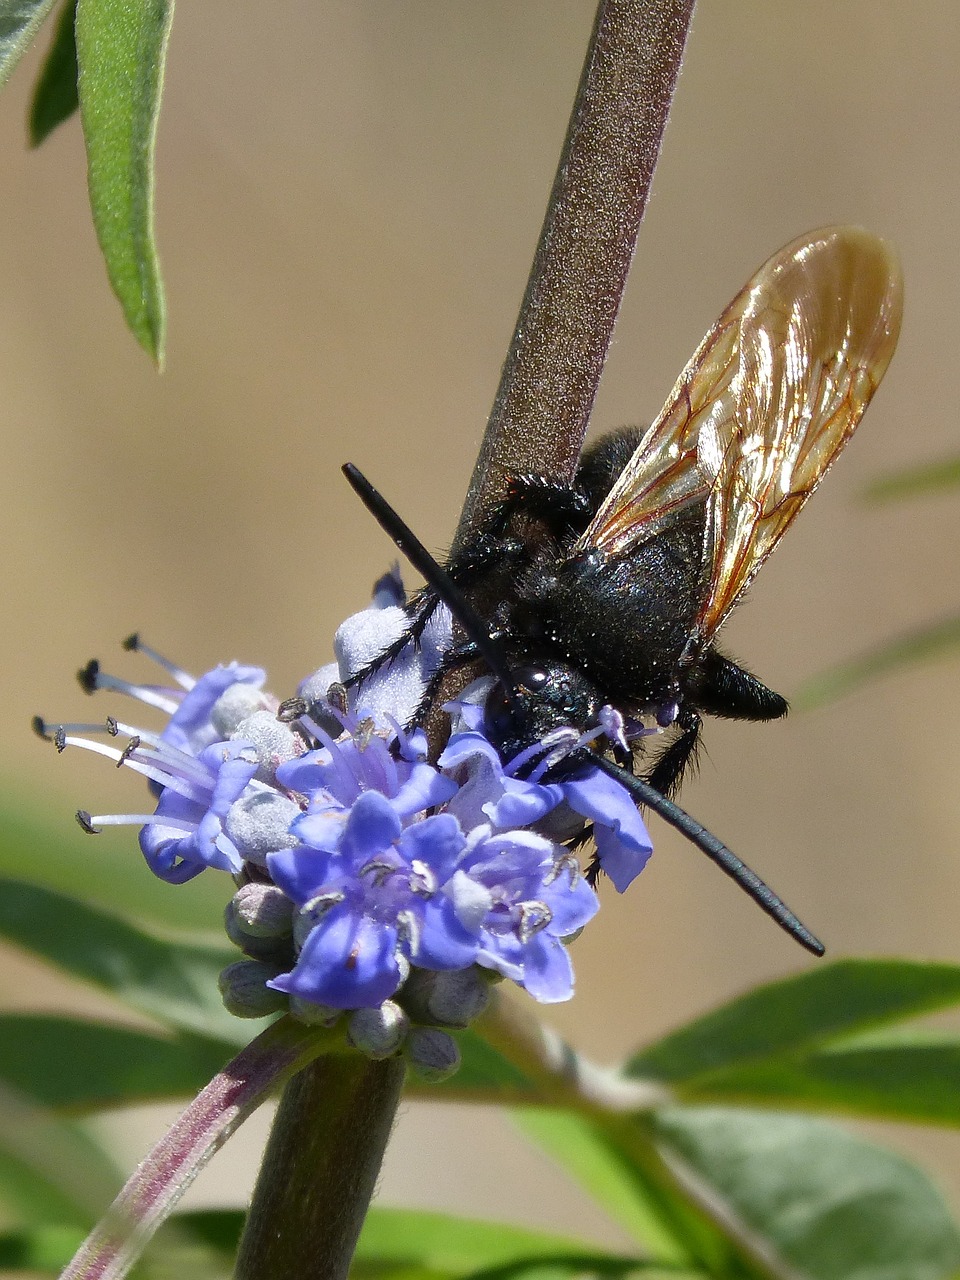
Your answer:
<point x="388" y="864"/>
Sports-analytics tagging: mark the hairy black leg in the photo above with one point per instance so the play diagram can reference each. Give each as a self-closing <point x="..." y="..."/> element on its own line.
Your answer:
<point x="420" y="610"/>
<point x="562" y="508"/>
<point x="451" y="660"/>
<point x="720" y="687"/>
<point x="668" y="770"/>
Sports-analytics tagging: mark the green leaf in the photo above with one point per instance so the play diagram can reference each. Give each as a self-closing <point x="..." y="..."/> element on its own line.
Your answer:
<point x="55" y="94"/>
<point x="121" y="47"/>
<point x="798" y="1015"/>
<point x="913" y="481"/>
<point x="20" y="20"/>
<point x="617" y="1184"/>
<point x="440" y="1243"/>
<point x="51" y="1172"/>
<point x="46" y="839"/>
<point x="887" y="1076"/>
<point x="188" y="1245"/>
<point x="174" y="982"/>
<point x="66" y="1062"/>
<point x="935" y="640"/>
<point x="831" y="1205"/>
<point x="45" y="1248"/>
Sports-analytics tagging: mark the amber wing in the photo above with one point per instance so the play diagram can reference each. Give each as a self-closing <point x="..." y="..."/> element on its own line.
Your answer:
<point x="770" y="397"/>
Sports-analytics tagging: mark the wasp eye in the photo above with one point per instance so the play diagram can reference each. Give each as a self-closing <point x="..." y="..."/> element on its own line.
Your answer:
<point x="498" y="712"/>
<point x="531" y="679"/>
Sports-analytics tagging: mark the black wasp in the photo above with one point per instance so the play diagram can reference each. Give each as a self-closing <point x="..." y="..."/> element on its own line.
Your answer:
<point x="610" y="591"/>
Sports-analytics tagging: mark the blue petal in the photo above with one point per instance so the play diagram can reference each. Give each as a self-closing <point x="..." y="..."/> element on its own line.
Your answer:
<point x="371" y="827"/>
<point x="620" y="860"/>
<point x="347" y="961"/>
<point x="444" y="943"/>
<point x="623" y="843"/>
<point x="547" y="971"/>
<point x="322" y="831"/>
<point x="189" y="726"/>
<point x="570" y="905"/>
<point x="438" y="841"/>
<point x="423" y="789"/>
<point x="523" y="803"/>
<point x="302" y="873"/>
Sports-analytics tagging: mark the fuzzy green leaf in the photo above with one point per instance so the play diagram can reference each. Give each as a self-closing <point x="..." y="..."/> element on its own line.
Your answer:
<point x="51" y="1172"/>
<point x="20" y="20"/>
<point x="44" y="838"/>
<point x="615" y="1182"/>
<point x="904" y="1076"/>
<point x="830" y="1205"/>
<point x="441" y="1243"/>
<point x="916" y="481"/>
<point x="121" y="47"/>
<point x="55" y="93"/>
<point x="42" y="1248"/>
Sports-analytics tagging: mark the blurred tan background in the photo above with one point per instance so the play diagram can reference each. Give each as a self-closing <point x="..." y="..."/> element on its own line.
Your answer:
<point x="349" y="194"/>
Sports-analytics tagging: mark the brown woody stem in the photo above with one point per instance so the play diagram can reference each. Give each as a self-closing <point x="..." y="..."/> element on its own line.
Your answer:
<point x="553" y="367"/>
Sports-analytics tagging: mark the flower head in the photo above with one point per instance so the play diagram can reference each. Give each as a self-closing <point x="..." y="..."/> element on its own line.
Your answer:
<point x="393" y="869"/>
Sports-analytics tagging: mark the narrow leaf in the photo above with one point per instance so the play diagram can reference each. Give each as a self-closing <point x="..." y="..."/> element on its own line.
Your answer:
<point x="69" y="1063"/>
<point x="121" y="47"/>
<point x="55" y="94"/>
<point x="45" y="838"/>
<point x="616" y="1184"/>
<point x="51" y="1172"/>
<point x="800" y="1014"/>
<point x="888" y="1076"/>
<point x="830" y="1205"/>
<point x="464" y="1246"/>
<point x="916" y="481"/>
<point x="936" y="640"/>
<point x="43" y="1248"/>
<point x="20" y="20"/>
<point x="175" y="982"/>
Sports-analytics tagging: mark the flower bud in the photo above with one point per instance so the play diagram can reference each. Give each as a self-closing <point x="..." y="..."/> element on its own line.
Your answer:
<point x="379" y="1032"/>
<point x="432" y="1054"/>
<point x="273" y="741"/>
<point x="263" y="911"/>
<point x="236" y="703"/>
<point x="314" y="1015"/>
<point x="244" y="991"/>
<point x="451" y="998"/>
<point x="259" y="823"/>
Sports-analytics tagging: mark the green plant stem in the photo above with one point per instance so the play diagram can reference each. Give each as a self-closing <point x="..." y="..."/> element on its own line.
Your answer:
<point x="602" y="1097"/>
<point x="156" y="1186"/>
<point x="320" y="1169"/>
<point x="557" y="353"/>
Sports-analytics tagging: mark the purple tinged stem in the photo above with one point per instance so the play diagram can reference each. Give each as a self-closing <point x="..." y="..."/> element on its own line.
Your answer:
<point x="154" y="1189"/>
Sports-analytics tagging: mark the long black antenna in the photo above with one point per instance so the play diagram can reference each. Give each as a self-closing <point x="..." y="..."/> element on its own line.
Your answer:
<point x="715" y="849"/>
<point x="435" y="574"/>
<point x="641" y="791"/>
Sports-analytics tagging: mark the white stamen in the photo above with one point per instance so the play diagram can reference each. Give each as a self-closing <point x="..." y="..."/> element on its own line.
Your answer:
<point x="153" y="695"/>
<point x="142" y="820"/>
<point x="183" y="679"/>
